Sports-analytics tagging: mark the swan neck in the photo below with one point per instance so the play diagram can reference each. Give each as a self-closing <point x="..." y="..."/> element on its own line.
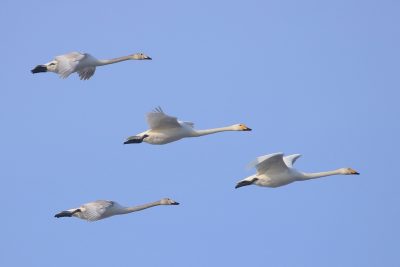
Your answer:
<point x="313" y="175"/>
<point x="102" y="62"/>
<point x="141" y="207"/>
<point x="211" y="131"/>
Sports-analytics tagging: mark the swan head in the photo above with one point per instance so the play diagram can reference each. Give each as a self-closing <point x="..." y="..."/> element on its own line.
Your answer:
<point x="168" y="201"/>
<point x="349" y="171"/>
<point x="240" y="127"/>
<point x="248" y="181"/>
<point x="141" y="56"/>
<point x="51" y="66"/>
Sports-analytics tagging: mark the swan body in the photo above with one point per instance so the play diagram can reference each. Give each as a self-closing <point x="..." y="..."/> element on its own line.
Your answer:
<point x="101" y="209"/>
<point x="276" y="170"/>
<point x="82" y="63"/>
<point x="166" y="129"/>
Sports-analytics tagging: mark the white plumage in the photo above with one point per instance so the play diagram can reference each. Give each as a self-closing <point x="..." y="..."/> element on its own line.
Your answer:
<point x="101" y="209"/>
<point x="165" y="129"/>
<point x="276" y="170"/>
<point x="82" y="63"/>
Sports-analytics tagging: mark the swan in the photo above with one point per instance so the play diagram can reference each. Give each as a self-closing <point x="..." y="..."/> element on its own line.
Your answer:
<point x="166" y="129"/>
<point x="275" y="170"/>
<point x="101" y="209"/>
<point x="82" y="63"/>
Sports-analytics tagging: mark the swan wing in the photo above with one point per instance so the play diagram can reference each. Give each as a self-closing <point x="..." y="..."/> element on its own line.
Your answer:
<point x="67" y="64"/>
<point x="291" y="159"/>
<point x="272" y="163"/>
<point x="73" y="56"/>
<point x="94" y="211"/>
<point x="188" y="123"/>
<point x="157" y="119"/>
<point x="86" y="73"/>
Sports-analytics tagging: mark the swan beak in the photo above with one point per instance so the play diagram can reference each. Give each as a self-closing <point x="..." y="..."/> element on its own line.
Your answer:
<point x="132" y="141"/>
<point x="175" y="203"/>
<point x="243" y="183"/>
<point x="355" y="173"/>
<point x="66" y="213"/>
<point x="135" y="139"/>
<point x="63" y="214"/>
<point x="246" y="182"/>
<point x="246" y="128"/>
<point x="39" y="68"/>
<point x="148" y="58"/>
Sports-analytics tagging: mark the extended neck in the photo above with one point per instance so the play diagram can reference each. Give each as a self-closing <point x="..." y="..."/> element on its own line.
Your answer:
<point x="102" y="62"/>
<point x="313" y="175"/>
<point x="140" y="207"/>
<point x="211" y="131"/>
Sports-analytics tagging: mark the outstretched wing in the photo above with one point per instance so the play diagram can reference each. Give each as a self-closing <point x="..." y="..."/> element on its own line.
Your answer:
<point x="86" y="73"/>
<point x="67" y="64"/>
<point x="157" y="119"/>
<point x="94" y="211"/>
<point x="272" y="163"/>
<point x="291" y="159"/>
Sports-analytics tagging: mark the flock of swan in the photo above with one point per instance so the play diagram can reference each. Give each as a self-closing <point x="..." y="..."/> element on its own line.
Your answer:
<point x="273" y="170"/>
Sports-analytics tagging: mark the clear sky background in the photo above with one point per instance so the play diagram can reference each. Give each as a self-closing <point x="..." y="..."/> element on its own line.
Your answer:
<point x="319" y="78"/>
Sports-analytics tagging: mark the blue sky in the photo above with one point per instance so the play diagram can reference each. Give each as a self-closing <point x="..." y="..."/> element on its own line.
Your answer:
<point x="319" y="78"/>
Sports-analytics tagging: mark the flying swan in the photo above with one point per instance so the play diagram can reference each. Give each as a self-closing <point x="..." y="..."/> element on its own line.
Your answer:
<point x="275" y="170"/>
<point x="101" y="209"/>
<point x="166" y="129"/>
<point x="82" y="63"/>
